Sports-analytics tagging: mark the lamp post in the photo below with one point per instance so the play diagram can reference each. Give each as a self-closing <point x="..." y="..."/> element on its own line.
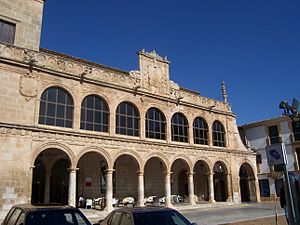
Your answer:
<point x="292" y="112"/>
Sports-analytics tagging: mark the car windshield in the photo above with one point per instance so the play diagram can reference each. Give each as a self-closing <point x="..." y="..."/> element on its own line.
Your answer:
<point x="160" y="218"/>
<point x="56" y="218"/>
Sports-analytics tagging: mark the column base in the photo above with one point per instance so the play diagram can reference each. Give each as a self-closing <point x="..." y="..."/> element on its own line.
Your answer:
<point x="108" y="208"/>
<point x="212" y="201"/>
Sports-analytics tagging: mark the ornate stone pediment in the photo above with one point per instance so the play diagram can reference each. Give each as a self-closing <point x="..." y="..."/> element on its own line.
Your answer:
<point x="154" y="72"/>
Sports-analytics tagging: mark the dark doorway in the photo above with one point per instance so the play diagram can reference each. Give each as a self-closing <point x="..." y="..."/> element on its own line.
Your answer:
<point x="60" y="182"/>
<point x="38" y="183"/>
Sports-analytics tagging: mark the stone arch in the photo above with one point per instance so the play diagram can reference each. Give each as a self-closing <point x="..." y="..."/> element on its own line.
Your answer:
<point x="224" y="162"/>
<point x="160" y="156"/>
<point x="185" y="159"/>
<point x="201" y="170"/>
<point x="153" y="105"/>
<point x="205" y="159"/>
<point x="220" y="172"/>
<point x="50" y="177"/>
<point x="131" y="153"/>
<point x="135" y="104"/>
<point x="55" y="145"/>
<point x="127" y="167"/>
<point x="154" y="168"/>
<point x="247" y="183"/>
<point x="60" y="85"/>
<point x="97" y="150"/>
<point x="102" y="97"/>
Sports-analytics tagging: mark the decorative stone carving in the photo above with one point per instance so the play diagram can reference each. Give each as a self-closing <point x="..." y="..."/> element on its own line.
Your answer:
<point x="28" y="86"/>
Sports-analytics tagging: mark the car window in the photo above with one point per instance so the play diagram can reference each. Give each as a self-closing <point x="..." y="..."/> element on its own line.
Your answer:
<point x="21" y="219"/>
<point x="115" y="218"/>
<point x="160" y="218"/>
<point x="58" y="217"/>
<point x="14" y="217"/>
<point x="80" y="219"/>
<point x="126" y="219"/>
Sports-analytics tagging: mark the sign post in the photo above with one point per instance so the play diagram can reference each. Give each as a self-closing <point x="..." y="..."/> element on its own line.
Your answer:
<point x="276" y="156"/>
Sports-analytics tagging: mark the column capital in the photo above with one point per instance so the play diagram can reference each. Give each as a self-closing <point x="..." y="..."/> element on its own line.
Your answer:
<point x="190" y="173"/>
<point x="73" y="169"/>
<point x="109" y="171"/>
<point x="167" y="173"/>
<point x="140" y="173"/>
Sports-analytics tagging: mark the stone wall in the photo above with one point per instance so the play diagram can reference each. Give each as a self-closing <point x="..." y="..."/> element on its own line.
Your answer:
<point x="27" y="16"/>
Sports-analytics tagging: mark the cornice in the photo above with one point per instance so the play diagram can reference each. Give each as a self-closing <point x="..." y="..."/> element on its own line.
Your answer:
<point x="84" y="71"/>
<point x="37" y="133"/>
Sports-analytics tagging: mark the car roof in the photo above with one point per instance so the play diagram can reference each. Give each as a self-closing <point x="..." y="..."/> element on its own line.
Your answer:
<point x="34" y="208"/>
<point x="144" y="209"/>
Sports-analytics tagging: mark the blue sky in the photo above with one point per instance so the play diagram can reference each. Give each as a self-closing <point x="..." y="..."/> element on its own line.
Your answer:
<point x="253" y="45"/>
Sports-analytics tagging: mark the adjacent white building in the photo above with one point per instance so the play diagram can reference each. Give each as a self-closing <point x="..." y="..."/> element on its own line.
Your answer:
<point x="258" y="135"/>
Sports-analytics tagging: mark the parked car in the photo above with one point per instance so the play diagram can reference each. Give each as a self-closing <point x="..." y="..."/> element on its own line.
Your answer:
<point x="26" y="214"/>
<point x="145" y="216"/>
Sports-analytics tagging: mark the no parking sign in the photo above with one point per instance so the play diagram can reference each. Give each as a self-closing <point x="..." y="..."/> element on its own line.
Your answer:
<point x="276" y="155"/>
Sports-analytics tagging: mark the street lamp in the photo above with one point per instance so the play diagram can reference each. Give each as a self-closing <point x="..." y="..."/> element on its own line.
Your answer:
<point x="292" y="112"/>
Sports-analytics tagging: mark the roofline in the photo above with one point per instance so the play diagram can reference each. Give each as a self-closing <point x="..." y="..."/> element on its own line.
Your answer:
<point x="266" y="121"/>
<point x="69" y="57"/>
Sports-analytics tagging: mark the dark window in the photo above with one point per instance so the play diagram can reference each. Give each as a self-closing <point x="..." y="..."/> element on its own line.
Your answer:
<point x="264" y="188"/>
<point x="179" y="128"/>
<point x="155" y="124"/>
<point x="56" y="108"/>
<point x="273" y="135"/>
<point x="159" y="218"/>
<point x="296" y="130"/>
<point x="218" y="133"/>
<point x="258" y="159"/>
<point x="278" y="168"/>
<point x="56" y="217"/>
<point x="94" y="114"/>
<point x="278" y="186"/>
<point x="127" y="120"/>
<point x="200" y="130"/>
<point x="7" y="32"/>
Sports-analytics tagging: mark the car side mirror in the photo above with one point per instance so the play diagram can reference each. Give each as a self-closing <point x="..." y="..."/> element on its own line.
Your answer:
<point x="96" y="224"/>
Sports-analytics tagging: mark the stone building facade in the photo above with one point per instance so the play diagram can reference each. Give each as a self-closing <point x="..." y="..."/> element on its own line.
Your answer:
<point x="70" y="127"/>
<point x="258" y="136"/>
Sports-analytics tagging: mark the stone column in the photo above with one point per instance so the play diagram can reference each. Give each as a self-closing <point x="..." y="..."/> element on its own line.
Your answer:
<point x="257" y="189"/>
<point x="229" y="192"/>
<point x="191" y="134"/>
<point x="168" y="189"/>
<point x="211" y="188"/>
<point x="72" y="187"/>
<point x="141" y="188"/>
<point x="109" y="190"/>
<point x="191" y="189"/>
<point x="47" y="187"/>
<point x="142" y="128"/>
<point x="30" y="179"/>
<point x="168" y="131"/>
<point x="112" y="123"/>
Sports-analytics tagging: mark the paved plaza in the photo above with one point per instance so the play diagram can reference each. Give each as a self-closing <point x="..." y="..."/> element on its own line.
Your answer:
<point x="220" y="213"/>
